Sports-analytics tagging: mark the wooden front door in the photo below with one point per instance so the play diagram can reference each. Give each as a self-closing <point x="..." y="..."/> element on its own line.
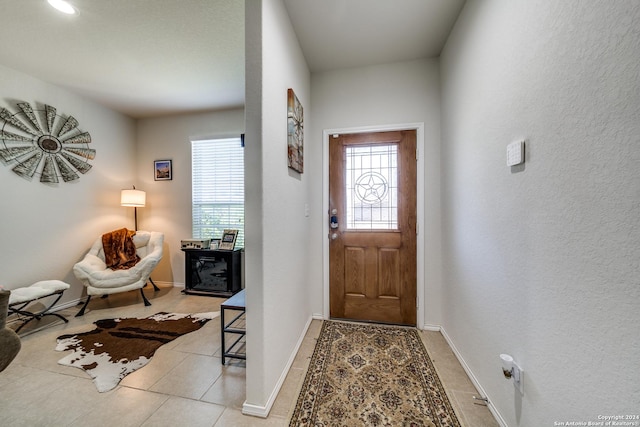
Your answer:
<point x="372" y="205"/>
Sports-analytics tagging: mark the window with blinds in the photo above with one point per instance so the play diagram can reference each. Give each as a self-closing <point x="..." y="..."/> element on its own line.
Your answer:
<point x="217" y="168"/>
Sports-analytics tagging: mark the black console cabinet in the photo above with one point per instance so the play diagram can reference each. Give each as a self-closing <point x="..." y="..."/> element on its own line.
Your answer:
<point x="212" y="272"/>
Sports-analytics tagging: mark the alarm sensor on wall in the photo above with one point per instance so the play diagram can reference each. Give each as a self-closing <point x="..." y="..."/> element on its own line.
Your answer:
<point x="515" y="153"/>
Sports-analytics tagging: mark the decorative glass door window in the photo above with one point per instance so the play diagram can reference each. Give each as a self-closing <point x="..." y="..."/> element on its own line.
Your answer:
<point x="372" y="187"/>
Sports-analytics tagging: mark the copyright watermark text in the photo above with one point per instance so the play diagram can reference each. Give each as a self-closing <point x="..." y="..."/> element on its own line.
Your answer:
<point x="603" y="420"/>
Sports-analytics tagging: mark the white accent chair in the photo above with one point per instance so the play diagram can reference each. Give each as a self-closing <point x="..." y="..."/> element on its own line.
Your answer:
<point x="100" y="280"/>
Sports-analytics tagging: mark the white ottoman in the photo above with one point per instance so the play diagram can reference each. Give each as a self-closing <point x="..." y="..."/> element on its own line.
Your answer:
<point x="20" y="298"/>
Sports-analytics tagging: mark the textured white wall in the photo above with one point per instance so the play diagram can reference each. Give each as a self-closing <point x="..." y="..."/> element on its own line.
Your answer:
<point x="276" y="280"/>
<point x="389" y="94"/>
<point x="542" y="261"/>
<point x="253" y="233"/>
<point x="46" y="229"/>
<point x="168" y="206"/>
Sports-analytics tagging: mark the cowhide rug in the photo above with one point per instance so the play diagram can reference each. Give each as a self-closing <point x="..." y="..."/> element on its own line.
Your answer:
<point x="120" y="346"/>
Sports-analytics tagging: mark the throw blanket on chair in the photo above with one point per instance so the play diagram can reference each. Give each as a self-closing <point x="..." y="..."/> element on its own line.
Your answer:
<point x="119" y="249"/>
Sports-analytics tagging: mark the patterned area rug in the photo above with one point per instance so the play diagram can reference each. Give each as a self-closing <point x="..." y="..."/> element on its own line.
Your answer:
<point x="118" y="347"/>
<point x="371" y="375"/>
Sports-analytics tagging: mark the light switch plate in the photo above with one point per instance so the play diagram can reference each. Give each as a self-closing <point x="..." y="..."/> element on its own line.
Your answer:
<point x="515" y="153"/>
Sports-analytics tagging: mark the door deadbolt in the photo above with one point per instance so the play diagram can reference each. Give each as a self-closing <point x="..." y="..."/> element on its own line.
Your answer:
<point x="334" y="219"/>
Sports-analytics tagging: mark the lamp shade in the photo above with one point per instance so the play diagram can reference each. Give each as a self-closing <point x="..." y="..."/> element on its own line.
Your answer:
<point x="135" y="198"/>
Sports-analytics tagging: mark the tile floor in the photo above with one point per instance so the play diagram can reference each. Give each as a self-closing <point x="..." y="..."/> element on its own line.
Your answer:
<point x="185" y="383"/>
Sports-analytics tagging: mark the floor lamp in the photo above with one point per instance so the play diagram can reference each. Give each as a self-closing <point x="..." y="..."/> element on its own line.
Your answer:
<point x="133" y="198"/>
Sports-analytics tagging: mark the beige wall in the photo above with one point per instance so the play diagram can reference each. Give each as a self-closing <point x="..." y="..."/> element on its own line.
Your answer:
<point x="541" y="260"/>
<point x="277" y="231"/>
<point x="56" y="224"/>
<point x="381" y="95"/>
<point x="168" y="206"/>
<point x="46" y="229"/>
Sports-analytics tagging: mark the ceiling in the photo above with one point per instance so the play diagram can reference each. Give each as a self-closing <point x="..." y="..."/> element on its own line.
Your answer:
<point x="149" y="58"/>
<point x="338" y="34"/>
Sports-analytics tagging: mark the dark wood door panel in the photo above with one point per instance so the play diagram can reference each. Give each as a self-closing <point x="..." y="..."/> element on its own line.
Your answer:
<point x="373" y="271"/>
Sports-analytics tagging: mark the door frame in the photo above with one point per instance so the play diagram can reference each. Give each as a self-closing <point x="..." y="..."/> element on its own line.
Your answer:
<point x="420" y="188"/>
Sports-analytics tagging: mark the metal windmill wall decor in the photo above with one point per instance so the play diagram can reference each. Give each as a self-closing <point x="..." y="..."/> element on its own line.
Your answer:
<point x="45" y="143"/>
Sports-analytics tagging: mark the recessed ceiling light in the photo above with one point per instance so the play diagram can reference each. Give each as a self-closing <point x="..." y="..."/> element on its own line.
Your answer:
<point x="63" y="6"/>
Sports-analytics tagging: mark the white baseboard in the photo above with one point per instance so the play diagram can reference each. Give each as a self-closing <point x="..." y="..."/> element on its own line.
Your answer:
<point x="255" y="411"/>
<point x="62" y="306"/>
<point x="473" y="379"/>
<point x="263" y="411"/>
<point x="429" y="327"/>
<point x="79" y="301"/>
<point x="68" y="304"/>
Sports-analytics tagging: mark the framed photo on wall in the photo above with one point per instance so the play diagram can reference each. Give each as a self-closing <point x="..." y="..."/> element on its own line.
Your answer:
<point x="295" y="133"/>
<point x="215" y="244"/>
<point x="228" y="241"/>
<point x="162" y="170"/>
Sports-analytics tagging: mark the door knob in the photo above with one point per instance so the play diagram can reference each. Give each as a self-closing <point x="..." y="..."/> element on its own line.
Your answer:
<point x="334" y="219"/>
